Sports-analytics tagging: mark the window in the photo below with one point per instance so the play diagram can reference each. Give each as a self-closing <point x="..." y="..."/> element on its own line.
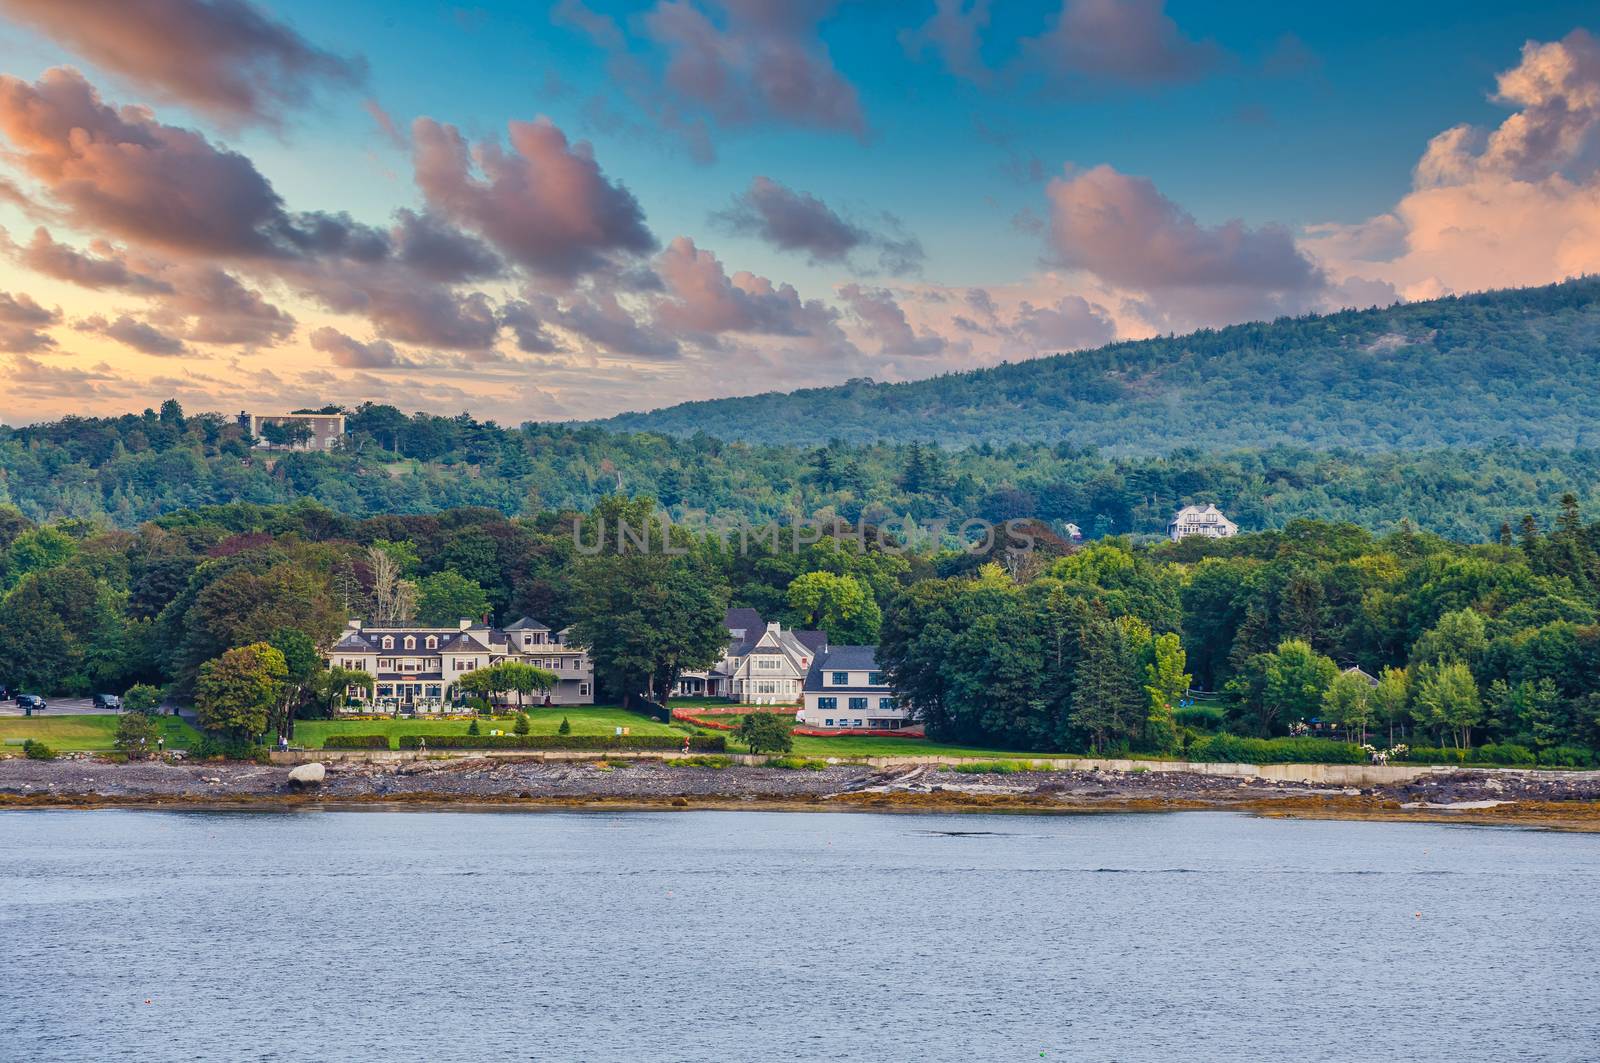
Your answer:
<point x="433" y="642"/>
<point x="858" y="723"/>
<point x="388" y="642"/>
<point x="827" y="723"/>
<point x="874" y="679"/>
<point x="858" y="703"/>
<point x="886" y="704"/>
<point x="583" y="689"/>
<point x="829" y="704"/>
<point x="411" y="642"/>
<point x="840" y="679"/>
<point x="768" y="663"/>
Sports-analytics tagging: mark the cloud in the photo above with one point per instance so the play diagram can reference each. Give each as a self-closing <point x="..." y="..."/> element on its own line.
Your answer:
<point x="1515" y="205"/>
<point x="1126" y="233"/>
<point x="546" y="205"/>
<point x="607" y="327"/>
<point x="439" y="251"/>
<point x="139" y="335"/>
<point x="1124" y="42"/>
<point x="386" y="124"/>
<point x="799" y="221"/>
<point x="954" y="32"/>
<point x="765" y="62"/>
<point x="349" y="353"/>
<point x="121" y="173"/>
<point x="209" y="305"/>
<point x="882" y="319"/>
<point x="20" y="321"/>
<point x="528" y="327"/>
<point x="702" y="299"/>
<point x="45" y="256"/>
<point x="226" y="58"/>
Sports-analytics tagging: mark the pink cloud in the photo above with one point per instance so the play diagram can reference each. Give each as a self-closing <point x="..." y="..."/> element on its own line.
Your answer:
<point x="224" y="57"/>
<point x="1130" y="42"/>
<point x="702" y="299"/>
<point x="546" y="205"/>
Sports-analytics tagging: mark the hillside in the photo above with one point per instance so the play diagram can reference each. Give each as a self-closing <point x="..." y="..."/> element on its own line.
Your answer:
<point x="1519" y="365"/>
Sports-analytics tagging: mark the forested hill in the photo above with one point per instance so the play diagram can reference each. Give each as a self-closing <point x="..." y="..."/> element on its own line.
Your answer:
<point x="1518" y="365"/>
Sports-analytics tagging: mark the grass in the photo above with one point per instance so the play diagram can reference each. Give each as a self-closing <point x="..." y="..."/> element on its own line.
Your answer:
<point x="585" y="720"/>
<point x="70" y="734"/>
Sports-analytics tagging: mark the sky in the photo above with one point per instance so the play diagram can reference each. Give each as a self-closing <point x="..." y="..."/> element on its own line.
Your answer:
<point x="557" y="211"/>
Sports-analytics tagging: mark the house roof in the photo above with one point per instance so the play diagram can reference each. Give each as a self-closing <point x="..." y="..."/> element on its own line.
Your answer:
<point x="527" y="623"/>
<point x="843" y="659"/>
<point x="815" y="641"/>
<point x="371" y="641"/>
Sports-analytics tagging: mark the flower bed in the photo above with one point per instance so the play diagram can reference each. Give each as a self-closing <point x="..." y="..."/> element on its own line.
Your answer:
<point x="814" y="732"/>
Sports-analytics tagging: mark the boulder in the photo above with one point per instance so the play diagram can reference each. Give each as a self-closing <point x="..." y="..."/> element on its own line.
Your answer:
<point x="307" y="775"/>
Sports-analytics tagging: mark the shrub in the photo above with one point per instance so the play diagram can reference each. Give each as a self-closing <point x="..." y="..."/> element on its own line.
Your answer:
<point x="1200" y="717"/>
<point x="37" y="750"/>
<point x="714" y="761"/>
<point x="472" y="728"/>
<point x="142" y="697"/>
<point x="522" y="726"/>
<point x="208" y="747"/>
<point x="1567" y="757"/>
<point x="356" y="742"/>
<point x="990" y="767"/>
<point x="1231" y="749"/>
<point x="716" y="744"/>
<point x="566" y="726"/>
<point x="793" y="763"/>
<point x="136" y="735"/>
<point x="766" y="732"/>
<point x="1508" y="753"/>
<point x="1434" y="755"/>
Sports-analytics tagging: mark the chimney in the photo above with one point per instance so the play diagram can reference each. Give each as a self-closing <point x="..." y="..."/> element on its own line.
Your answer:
<point x="466" y="625"/>
<point x="353" y="625"/>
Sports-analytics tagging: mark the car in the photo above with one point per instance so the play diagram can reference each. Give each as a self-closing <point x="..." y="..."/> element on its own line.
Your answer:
<point x="31" y="703"/>
<point x="108" y="701"/>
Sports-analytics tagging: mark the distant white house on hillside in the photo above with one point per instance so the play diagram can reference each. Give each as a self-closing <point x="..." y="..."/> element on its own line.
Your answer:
<point x="1204" y="520"/>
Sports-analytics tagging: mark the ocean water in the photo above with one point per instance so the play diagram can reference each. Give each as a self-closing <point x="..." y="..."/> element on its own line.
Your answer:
<point x="766" y="936"/>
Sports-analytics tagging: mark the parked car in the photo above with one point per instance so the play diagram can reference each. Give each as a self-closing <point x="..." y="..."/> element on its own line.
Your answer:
<point x="31" y="703"/>
<point x="108" y="701"/>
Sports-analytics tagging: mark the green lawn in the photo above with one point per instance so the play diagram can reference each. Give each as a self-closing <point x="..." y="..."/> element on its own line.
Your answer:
<point x="585" y="720"/>
<point x="66" y="734"/>
<point x="877" y="746"/>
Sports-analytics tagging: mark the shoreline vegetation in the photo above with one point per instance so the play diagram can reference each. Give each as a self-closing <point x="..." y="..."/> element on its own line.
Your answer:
<point x="1535" y="799"/>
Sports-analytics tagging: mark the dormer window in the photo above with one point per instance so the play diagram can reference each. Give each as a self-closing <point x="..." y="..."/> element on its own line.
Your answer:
<point x="433" y="642"/>
<point x="388" y="642"/>
<point x="411" y="643"/>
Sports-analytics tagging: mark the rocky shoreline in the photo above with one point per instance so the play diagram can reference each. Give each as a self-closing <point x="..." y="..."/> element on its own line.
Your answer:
<point x="1473" y="796"/>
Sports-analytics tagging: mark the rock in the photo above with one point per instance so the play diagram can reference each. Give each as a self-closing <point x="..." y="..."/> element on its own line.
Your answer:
<point x="307" y="775"/>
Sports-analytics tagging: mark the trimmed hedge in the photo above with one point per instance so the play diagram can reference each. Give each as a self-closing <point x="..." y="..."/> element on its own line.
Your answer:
<point x="697" y="743"/>
<point x="1508" y="753"/>
<point x="356" y="742"/>
<point x="1434" y="755"/>
<point x="1230" y="749"/>
<point x="1567" y="757"/>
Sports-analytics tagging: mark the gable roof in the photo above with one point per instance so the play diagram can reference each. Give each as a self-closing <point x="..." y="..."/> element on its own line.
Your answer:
<point x="527" y="624"/>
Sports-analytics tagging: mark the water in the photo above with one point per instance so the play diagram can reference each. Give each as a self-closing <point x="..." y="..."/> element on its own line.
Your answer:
<point x="755" y="936"/>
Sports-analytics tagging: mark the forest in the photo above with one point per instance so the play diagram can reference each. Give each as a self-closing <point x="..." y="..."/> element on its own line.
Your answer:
<point x="1485" y="651"/>
<point x="1518" y="365"/>
<point x="123" y="471"/>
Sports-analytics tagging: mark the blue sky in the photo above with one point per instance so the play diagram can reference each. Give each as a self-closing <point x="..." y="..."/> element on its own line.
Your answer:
<point x="1273" y="144"/>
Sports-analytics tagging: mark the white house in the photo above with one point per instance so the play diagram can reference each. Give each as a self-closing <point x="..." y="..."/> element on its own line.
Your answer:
<point x="845" y="689"/>
<point x="764" y="664"/>
<point x="1204" y="520"/>
<point x="316" y="431"/>
<point x="415" y="669"/>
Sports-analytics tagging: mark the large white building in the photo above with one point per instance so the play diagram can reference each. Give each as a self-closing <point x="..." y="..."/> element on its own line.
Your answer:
<point x="294" y="431"/>
<point x="1204" y="520"/>
<point x="764" y="664"/>
<point x="415" y="669"/>
<point x="845" y="690"/>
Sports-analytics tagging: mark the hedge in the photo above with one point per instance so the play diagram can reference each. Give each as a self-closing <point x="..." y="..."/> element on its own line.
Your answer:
<point x="697" y="743"/>
<point x="356" y="742"/>
<point x="1230" y="749"/>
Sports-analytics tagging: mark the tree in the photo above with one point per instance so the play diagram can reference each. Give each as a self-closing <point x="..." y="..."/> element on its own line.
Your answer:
<point x="304" y="664"/>
<point x="565" y="728"/>
<point x="765" y="732"/>
<point x="523" y="725"/>
<point x="1295" y="678"/>
<point x="1458" y="637"/>
<point x="235" y="693"/>
<point x="1447" y="697"/>
<point x="1348" y="700"/>
<point x="331" y="686"/>
<point x="1108" y="700"/>
<point x="136" y="735"/>
<point x="842" y="606"/>
<point x="446" y="597"/>
<point x="1165" y="682"/>
<point x="1390" y="697"/>
<point x="142" y="698"/>
<point x="394" y="598"/>
<point x="646" y="615"/>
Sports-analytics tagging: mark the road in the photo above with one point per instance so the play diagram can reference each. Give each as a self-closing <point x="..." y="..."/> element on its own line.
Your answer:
<point x="63" y="707"/>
